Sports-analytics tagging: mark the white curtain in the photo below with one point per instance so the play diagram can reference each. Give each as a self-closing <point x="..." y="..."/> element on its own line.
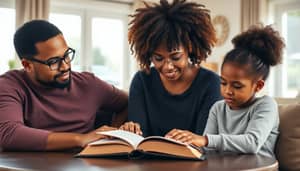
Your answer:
<point x="27" y="10"/>
<point x="253" y="12"/>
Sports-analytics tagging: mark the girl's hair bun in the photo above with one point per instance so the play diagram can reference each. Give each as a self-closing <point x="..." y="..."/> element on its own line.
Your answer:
<point x="264" y="42"/>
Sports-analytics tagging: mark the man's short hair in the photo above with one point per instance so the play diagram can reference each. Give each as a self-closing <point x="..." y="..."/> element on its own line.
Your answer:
<point x="31" y="33"/>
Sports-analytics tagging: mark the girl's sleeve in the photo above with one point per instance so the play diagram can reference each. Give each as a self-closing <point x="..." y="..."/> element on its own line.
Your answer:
<point x="212" y="123"/>
<point x="263" y="120"/>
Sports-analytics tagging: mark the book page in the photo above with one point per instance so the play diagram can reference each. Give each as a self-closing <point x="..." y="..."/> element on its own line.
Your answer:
<point x="174" y="141"/>
<point x="108" y="141"/>
<point x="166" y="139"/>
<point x="127" y="136"/>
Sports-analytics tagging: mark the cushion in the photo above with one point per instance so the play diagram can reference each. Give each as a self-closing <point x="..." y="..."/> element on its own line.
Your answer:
<point x="288" y="144"/>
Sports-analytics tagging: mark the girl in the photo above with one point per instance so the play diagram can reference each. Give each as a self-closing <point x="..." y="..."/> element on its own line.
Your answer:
<point x="243" y="123"/>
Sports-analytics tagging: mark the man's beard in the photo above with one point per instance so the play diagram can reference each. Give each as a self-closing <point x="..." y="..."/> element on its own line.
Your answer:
<point x="55" y="83"/>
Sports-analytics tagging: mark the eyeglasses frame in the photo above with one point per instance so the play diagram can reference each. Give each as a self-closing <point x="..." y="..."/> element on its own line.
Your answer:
<point x="60" y="62"/>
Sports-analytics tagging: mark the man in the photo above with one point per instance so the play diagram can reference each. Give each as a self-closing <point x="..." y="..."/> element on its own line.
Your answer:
<point x="46" y="106"/>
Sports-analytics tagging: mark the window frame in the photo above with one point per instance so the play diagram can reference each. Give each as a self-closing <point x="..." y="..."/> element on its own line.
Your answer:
<point x="10" y="5"/>
<point x="87" y="10"/>
<point x="278" y="76"/>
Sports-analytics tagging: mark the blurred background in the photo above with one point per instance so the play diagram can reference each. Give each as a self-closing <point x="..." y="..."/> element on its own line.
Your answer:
<point x="97" y="29"/>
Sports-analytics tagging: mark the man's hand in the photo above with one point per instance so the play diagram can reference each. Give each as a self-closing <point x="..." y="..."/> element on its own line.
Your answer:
<point x="84" y="139"/>
<point x="66" y="140"/>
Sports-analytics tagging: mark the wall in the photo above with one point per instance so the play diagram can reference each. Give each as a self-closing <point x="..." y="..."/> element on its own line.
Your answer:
<point x="231" y="9"/>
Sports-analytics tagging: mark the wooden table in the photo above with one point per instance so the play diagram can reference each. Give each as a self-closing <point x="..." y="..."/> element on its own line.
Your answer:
<point x="58" y="161"/>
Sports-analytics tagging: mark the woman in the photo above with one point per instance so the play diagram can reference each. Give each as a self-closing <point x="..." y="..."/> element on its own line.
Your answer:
<point x="176" y="92"/>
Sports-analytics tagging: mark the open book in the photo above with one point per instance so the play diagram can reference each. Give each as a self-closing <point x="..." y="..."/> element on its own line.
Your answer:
<point x="133" y="145"/>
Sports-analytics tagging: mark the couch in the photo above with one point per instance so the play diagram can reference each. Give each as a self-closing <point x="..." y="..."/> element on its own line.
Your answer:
<point x="288" y="143"/>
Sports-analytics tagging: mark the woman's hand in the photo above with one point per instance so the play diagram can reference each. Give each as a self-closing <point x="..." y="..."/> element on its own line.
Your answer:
<point x="132" y="127"/>
<point x="187" y="137"/>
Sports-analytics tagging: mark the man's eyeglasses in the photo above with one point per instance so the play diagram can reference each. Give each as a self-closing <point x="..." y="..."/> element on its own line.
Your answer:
<point x="54" y="63"/>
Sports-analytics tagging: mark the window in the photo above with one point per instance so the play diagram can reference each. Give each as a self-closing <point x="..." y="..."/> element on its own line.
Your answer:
<point x="287" y="19"/>
<point x="291" y="27"/>
<point x="107" y="49"/>
<point x="98" y="33"/>
<point x="72" y="33"/>
<point x="7" y="53"/>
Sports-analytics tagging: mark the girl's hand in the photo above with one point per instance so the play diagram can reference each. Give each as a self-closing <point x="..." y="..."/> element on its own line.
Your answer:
<point x="132" y="127"/>
<point x="187" y="137"/>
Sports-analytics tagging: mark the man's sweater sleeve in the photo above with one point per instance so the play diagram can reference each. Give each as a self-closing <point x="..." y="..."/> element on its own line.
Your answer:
<point x="14" y="135"/>
<point x="259" y="128"/>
